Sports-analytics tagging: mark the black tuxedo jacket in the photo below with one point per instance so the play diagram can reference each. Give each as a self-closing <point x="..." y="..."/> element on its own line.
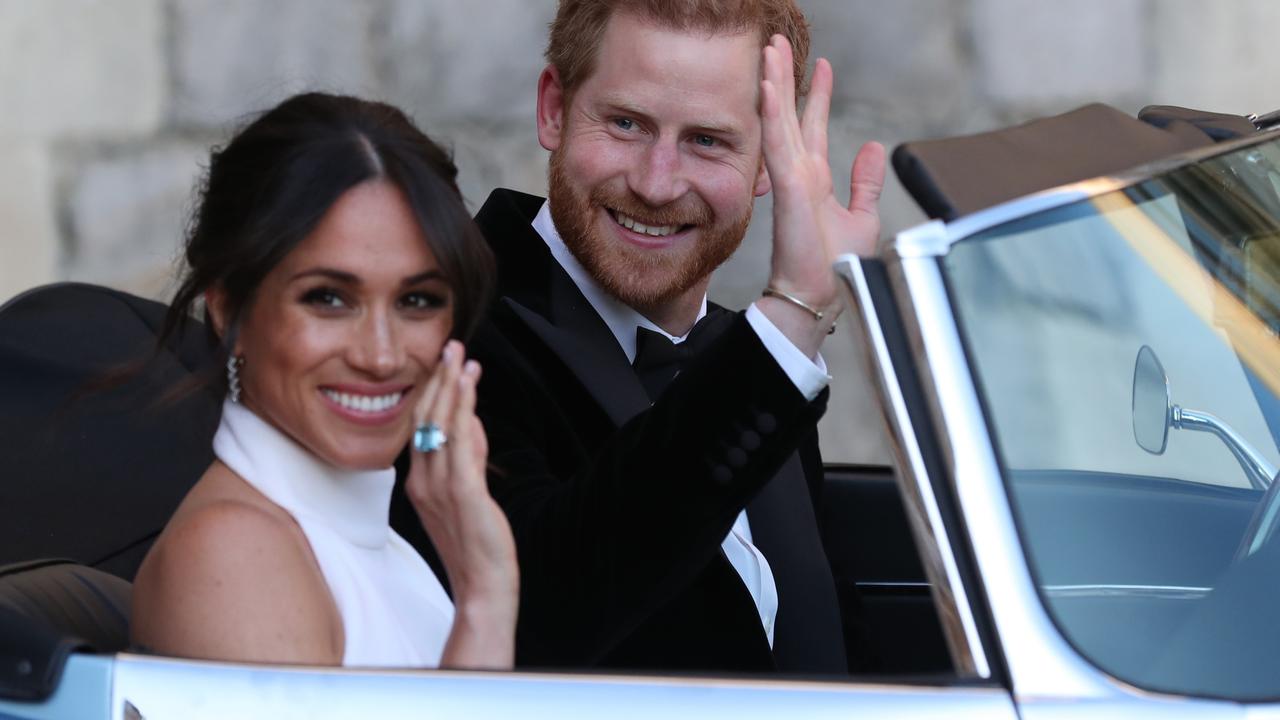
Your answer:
<point x="619" y="508"/>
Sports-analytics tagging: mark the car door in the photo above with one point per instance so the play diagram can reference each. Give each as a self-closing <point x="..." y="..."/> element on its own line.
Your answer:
<point x="130" y="687"/>
<point x="1010" y="337"/>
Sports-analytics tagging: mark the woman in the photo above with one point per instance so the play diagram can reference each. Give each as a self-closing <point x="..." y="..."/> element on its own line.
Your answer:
<point x="338" y="268"/>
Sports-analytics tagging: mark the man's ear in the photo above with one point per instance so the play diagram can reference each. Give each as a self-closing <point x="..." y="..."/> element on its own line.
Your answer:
<point x="763" y="183"/>
<point x="551" y="108"/>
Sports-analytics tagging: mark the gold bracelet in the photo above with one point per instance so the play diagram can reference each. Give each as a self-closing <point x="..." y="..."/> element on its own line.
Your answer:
<point x="817" y="314"/>
<point x="774" y="292"/>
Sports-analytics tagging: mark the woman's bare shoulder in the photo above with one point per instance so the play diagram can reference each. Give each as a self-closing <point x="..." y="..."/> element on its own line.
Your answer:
<point x="233" y="578"/>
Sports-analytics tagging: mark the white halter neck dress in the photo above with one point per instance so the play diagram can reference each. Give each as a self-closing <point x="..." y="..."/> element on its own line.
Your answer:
<point x="394" y="610"/>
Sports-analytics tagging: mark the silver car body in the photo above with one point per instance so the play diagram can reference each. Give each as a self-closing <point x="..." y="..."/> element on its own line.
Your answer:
<point x="1011" y="659"/>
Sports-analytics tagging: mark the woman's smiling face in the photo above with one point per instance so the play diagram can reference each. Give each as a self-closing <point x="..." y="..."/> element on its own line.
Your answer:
<point x="340" y="338"/>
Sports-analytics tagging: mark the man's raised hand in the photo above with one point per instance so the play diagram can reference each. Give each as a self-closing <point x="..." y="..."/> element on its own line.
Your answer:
<point x="811" y="228"/>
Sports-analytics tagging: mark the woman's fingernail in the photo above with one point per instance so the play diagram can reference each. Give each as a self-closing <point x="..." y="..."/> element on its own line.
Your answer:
<point x="471" y="368"/>
<point x="447" y="353"/>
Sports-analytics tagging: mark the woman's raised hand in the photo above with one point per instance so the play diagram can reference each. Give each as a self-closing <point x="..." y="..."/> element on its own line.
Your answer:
<point x="446" y="486"/>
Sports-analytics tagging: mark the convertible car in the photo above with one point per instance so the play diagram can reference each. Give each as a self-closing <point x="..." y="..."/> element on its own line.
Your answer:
<point x="1078" y="366"/>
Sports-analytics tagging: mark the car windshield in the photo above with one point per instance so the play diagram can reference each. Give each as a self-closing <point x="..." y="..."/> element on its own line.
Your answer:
<point x="1126" y="351"/>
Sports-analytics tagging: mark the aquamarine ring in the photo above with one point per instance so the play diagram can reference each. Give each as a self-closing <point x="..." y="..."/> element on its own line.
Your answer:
<point x="428" y="438"/>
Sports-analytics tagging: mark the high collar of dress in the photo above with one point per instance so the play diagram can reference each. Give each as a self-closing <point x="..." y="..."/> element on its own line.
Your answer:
<point x="621" y="318"/>
<point x="353" y="503"/>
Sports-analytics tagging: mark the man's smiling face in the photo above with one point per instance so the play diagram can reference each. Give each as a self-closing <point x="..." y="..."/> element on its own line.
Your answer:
<point x="655" y="159"/>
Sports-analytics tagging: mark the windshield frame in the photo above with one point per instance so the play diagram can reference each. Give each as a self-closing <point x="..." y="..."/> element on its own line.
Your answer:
<point x="963" y="227"/>
<point x="1042" y="662"/>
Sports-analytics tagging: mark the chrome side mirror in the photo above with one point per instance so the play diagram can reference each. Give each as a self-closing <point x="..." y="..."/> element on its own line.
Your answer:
<point x="1154" y="413"/>
<point x="1152" y="406"/>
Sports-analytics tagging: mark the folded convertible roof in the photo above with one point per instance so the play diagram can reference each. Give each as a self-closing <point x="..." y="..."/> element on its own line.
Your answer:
<point x="952" y="177"/>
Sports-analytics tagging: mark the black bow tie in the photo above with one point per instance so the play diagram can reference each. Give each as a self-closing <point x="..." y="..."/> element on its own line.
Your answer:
<point x="658" y="360"/>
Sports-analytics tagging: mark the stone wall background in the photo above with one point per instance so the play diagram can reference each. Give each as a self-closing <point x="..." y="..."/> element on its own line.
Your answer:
<point x="108" y="108"/>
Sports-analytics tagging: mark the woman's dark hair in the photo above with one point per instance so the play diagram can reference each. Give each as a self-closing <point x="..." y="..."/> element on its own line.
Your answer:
<point x="269" y="187"/>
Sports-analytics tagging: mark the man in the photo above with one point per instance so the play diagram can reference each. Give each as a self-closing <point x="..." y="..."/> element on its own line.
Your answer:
<point x="669" y="526"/>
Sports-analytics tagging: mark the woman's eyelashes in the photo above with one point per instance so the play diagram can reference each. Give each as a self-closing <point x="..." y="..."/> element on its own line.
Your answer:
<point x="425" y="300"/>
<point x="330" y="300"/>
<point x="324" y="298"/>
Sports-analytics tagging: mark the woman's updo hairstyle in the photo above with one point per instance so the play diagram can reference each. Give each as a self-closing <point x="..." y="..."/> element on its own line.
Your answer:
<point x="269" y="187"/>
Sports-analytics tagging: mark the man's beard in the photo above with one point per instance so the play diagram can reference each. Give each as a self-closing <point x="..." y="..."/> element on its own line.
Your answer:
<point x="641" y="278"/>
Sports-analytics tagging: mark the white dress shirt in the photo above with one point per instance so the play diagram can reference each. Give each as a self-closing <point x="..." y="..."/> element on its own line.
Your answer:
<point x="809" y="377"/>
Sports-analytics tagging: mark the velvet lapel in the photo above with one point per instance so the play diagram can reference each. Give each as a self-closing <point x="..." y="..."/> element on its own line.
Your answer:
<point x="541" y="294"/>
<point x="598" y="363"/>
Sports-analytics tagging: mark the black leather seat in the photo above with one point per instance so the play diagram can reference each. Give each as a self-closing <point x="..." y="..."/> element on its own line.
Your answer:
<point x="49" y="609"/>
<point x="77" y="602"/>
<point x="93" y="472"/>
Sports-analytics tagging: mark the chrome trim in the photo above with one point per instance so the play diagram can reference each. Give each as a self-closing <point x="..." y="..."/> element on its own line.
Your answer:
<point x="889" y="585"/>
<point x="1266" y="121"/>
<point x="924" y="240"/>
<point x="1170" y="592"/>
<point x="1256" y="467"/>
<point x="1025" y="206"/>
<point x="1004" y="212"/>
<point x="1040" y="662"/>
<point x="932" y="541"/>
<point x="164" y="689"/>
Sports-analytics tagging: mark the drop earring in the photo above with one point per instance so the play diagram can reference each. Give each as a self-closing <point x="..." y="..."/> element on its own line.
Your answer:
<point x="233" y="377"/>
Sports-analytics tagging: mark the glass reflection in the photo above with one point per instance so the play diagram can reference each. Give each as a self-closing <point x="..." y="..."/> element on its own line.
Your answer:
<point x="1139" y="552"/>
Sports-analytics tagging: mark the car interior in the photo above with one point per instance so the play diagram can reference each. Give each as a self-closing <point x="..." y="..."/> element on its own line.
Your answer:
<point x="83" y="498"/>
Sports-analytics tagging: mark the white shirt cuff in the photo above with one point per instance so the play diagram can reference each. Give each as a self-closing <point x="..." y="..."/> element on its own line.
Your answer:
<point x="809" y="376"/>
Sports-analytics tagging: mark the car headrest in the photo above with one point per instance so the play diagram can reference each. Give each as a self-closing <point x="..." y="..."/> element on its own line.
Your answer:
<point x="87" y="473"/>
<point x="952" y="177"/>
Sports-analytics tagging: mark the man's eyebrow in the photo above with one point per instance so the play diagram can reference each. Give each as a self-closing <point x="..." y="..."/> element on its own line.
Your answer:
<point x="622" y="107"/>
<point x="719" y="129"/>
